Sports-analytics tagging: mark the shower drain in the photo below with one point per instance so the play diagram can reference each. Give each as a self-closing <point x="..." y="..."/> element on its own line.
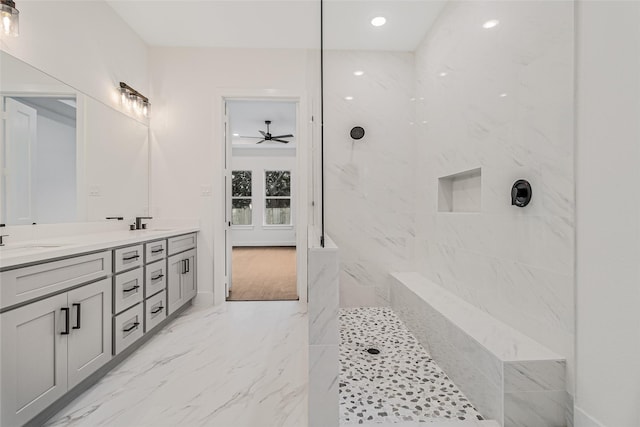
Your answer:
<point x="373" y="350"/>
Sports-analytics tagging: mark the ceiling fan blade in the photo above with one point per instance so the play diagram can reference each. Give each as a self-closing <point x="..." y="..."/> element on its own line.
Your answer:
<point x="263" y="133"/>
<point x="260" y="142"/>
<point x="280" y="140"/>
<point x="283" y="136"/>
<point x="257" y="137"/>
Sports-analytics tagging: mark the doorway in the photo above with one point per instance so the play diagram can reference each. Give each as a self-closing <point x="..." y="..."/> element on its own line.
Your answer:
<point x="261" y="199"/>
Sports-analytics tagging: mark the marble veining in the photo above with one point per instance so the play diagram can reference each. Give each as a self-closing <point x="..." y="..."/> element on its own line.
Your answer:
<point x="401" y="383"/>
<point x="241" y="364"/>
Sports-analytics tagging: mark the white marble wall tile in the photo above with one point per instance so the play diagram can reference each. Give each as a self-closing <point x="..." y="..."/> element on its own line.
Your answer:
<point x="505" y="104"/>
<point x="323" y="386"/>
<point x="322" y="272"/>
<point x="535" y="409"/>
<point x="368" y="183"/>
<point x="535" y="375"/>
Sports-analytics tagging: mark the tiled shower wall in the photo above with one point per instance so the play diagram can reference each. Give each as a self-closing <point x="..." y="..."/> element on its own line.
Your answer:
<point x="501" y="99"/>
<point x="369" y="184"/>
<point x="498" y="99"/>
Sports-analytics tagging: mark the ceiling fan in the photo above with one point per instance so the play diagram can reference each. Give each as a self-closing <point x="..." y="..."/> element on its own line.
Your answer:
<point x="266" y="136"/>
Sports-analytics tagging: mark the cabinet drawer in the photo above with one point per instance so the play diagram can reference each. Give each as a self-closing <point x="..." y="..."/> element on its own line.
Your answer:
<point x="154" y="251"/>
<point x="126" y="258"/>
<point x="155" y="310"/>
<point x="127" y="328"/>
<point x="155" y="278"/>
<point x="182" y="243"/>
<point x="127" y="289"/>
<point x="23" y="284"/>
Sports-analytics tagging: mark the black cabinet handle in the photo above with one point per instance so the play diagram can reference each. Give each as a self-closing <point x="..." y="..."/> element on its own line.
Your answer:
<point x="133" y="288"/>
<point x="159" y="276"/>
<point x="66" y="321"/>
<point x="129" y="258"/>
<point x="134" y="326"/>
<point x="77" y="306"/>
<point x="157" y="310"/>
<point x="157" y="251"/>
<point x="188" y="265"/>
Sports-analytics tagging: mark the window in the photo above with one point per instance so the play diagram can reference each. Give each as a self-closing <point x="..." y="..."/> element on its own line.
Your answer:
<point x="277" y="206"/>
<point x="241" y="207"/>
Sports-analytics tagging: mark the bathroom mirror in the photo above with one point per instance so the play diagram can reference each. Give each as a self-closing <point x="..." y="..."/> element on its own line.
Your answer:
<point x="65" y="156"/>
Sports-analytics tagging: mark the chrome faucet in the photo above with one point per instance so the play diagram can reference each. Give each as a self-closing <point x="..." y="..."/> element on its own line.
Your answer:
<point x="139" y="224"/>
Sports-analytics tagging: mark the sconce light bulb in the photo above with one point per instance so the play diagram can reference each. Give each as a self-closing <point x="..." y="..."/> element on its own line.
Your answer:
<point x="6" y="24"/>
<point x="10" y="16"/>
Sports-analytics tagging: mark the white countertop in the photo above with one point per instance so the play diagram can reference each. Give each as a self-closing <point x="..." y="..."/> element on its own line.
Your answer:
<point x="15" y="254"/>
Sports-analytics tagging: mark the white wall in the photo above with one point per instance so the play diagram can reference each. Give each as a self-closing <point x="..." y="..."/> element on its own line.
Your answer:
<point x="187" y="145"/>
<point x="83" y="43"/>
<point x="369" y="184"/>
<point x="258" y="161"/>
<point x="517" y="264"/>
<point x="608" y="214"/>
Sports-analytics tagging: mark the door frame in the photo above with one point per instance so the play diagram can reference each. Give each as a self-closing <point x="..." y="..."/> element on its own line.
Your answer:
<point x="219" y="195"/>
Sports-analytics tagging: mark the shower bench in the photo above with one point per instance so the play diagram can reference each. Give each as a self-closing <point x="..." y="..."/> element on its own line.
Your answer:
<point x="508" y="376"/>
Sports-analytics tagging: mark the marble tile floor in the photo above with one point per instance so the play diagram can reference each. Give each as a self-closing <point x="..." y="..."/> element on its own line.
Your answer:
<point x="242" y="364"/>
<point x="401" y="384"/>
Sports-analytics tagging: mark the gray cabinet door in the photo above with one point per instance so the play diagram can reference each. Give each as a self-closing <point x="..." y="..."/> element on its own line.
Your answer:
<point x="90" y="335"/>
<point x="189" y="278"/>
<point x="175" y="292"/>
<point x="34" y="359"/>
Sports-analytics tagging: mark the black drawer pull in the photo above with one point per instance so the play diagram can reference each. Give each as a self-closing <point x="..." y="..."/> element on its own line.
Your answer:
<point x="77" y="306"/>
<point x="129" y="258"/>
<point x="157" y="251"/>
<point x="160" y="276"/>
<point x="131" y="328"/>
<point x="131" y="289"/>
<point x="157" y="310"/>
<point x="66" y="321"/>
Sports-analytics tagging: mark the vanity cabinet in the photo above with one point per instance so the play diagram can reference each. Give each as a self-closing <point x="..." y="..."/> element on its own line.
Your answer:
<point x="49" y="346"/>
<point x="63" y="319"/>
<point x="181" y="279"/>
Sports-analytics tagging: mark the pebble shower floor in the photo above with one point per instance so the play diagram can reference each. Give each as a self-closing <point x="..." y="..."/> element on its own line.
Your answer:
<point x="402" y="383"/>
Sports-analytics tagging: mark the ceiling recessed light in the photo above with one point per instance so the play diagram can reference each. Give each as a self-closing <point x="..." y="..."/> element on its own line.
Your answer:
<point x="236" y="134"/>
<point x="412" y="99"/>
<point x="378" y="21"/>
<point x="348" y="98"/>
<point x="490" y="24"/>
<point x="442" y="74"/>
<point x="358" y="73"/>
<point x="503" y="95"/>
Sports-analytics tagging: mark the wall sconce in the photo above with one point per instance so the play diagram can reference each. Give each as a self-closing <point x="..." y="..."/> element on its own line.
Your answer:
<point x="132" y="100"/>
<point x="9" y="18"/>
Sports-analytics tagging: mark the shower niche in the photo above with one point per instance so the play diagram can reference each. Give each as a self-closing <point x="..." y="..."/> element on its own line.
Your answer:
<point x="460" y="192"/>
